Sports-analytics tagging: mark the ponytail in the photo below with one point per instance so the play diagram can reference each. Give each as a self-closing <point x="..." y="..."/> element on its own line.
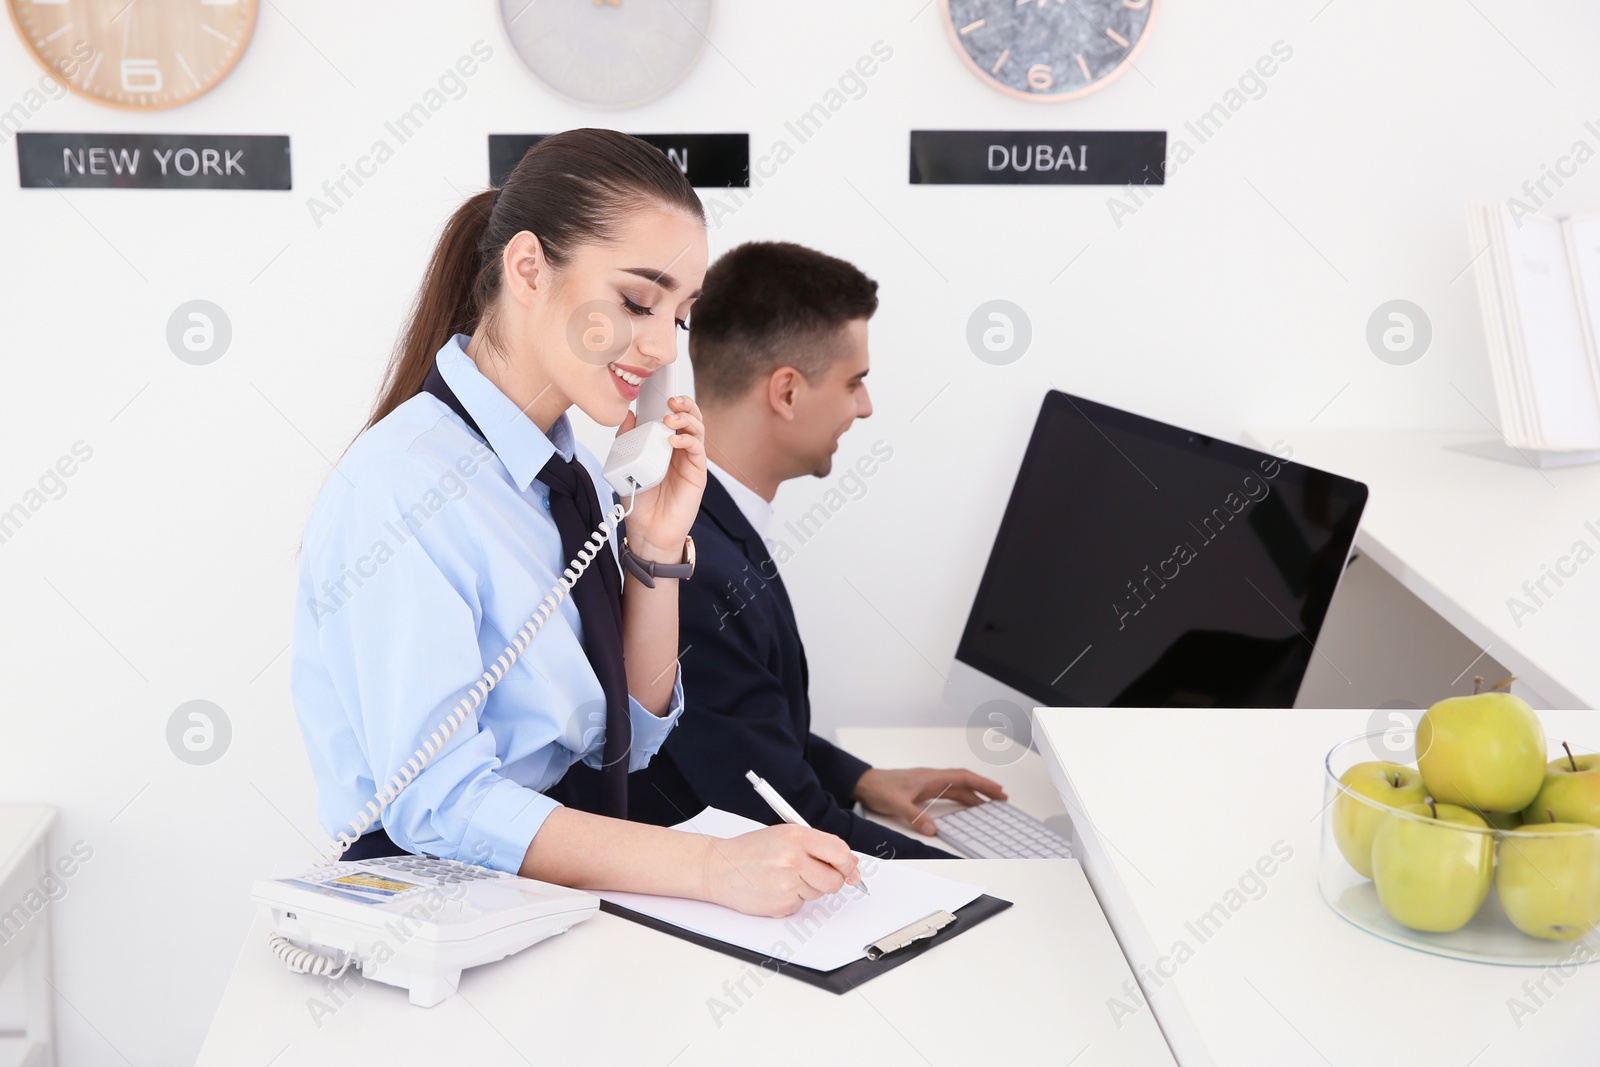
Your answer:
<point x="569" y="189"/>
<point x="446" y="305"/>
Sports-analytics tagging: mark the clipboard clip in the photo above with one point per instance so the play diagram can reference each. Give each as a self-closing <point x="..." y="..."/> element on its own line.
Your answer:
<point x="923" y="928"/>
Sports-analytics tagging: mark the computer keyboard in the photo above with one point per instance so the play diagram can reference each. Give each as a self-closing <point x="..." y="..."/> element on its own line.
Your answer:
<point x="996" y="830"/>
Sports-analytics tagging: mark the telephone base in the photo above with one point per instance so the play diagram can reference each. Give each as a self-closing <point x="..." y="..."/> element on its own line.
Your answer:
<point x="426" y="988"/>
<point x="412" y="922"/>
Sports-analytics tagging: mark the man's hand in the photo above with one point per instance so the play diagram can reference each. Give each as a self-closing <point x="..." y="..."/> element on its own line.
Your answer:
<point x="907" y="793"/>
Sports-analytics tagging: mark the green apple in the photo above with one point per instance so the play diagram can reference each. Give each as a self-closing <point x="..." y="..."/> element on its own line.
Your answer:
<point x="1571" y="791"/>
<point x="1432" y="871"/>
<point x="1355" y="821"/>
<point x="1549" y="880"/>
<point x="1485" y="752"/>
<point x="1502" y="820"/>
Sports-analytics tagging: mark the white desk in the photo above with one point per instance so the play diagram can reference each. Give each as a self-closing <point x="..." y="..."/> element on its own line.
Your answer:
<point x="1028" y="986"/>
<point x="1029" y="785"/>
<point x="1173" y="806"/>
<point x="1463" y="533"/>
<point x="25" y="929"/>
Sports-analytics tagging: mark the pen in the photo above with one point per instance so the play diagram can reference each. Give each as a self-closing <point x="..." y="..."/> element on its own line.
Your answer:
<point x="784" y="811"/>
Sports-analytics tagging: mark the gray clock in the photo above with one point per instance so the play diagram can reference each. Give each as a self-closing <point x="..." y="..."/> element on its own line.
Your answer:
<point x="1047" y="50"/>
<point x="608" y="53"/>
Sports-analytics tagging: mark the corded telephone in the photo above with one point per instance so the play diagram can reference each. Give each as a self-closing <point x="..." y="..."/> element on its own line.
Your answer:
<point x="640" y="457"/>
<point x="417" y="921"/>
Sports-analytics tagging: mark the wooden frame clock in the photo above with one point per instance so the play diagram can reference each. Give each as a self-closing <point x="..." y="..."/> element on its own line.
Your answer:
<point x="1047" y="51"/>
<point x="142" y="55"/>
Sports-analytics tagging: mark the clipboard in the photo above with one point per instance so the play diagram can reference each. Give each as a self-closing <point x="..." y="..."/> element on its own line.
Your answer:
<point x="898" y="947"/>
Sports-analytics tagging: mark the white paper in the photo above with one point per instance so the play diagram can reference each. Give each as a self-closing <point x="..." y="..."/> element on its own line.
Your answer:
<point x="1480" y="239"/>
<point x="1487" y="237"/>
<point x="824" y="934"/>
<point x="1557" y="355"/>
<point x="1503" y="226"/>
<point x="1583" y="233"/>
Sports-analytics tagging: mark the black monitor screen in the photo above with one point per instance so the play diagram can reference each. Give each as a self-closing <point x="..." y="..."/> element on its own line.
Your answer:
<point x="1142" y="565"/>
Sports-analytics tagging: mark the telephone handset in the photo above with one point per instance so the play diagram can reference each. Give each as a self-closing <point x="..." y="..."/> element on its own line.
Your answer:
<point x="639" y="458"/>
<point x="417" y="921"/>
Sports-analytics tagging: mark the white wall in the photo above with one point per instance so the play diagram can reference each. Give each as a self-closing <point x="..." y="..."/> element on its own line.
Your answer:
<point x="1238" y="294"/>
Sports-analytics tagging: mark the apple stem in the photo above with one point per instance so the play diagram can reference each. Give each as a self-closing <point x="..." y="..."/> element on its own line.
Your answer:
<point x="1569" y="760"/>
<point x="1433" y="807"/>
<point x="1551" y="812"/>
<point x="1477" y="683"/>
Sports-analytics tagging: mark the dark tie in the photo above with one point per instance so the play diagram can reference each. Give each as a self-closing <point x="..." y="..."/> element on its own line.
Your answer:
<point x="576" y="509"/>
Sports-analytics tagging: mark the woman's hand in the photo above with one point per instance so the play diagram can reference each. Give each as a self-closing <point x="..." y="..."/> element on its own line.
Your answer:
<point x="775" y="870"/>
<point x="663" y="515"/>
<point x="657" y="527"/>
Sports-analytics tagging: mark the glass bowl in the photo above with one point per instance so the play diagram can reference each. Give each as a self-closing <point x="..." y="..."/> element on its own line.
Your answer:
<point x="1489" y="936"/>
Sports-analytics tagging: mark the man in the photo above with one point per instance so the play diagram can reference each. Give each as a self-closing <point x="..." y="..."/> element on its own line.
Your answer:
<point x="779" y="346"/>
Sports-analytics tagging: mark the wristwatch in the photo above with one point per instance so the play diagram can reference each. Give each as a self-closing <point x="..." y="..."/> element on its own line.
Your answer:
<point x="647" y="571"/>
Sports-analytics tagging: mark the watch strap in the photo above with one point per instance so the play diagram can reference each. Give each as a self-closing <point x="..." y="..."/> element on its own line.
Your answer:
<point x="647" y="571"/>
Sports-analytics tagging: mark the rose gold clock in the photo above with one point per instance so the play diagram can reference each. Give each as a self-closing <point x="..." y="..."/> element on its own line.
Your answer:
<point x="141" y="55"/>
<point x="1048" y="50"/>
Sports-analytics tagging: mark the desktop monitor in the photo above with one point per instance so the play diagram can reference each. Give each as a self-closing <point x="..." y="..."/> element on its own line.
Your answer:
<point x="1143" y="565"/>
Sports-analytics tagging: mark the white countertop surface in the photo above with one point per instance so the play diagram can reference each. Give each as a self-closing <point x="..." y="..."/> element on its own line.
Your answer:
<point x="1186" y="802"/>
<point x="1025" y="987"/>
<point x="1464" y="532"/>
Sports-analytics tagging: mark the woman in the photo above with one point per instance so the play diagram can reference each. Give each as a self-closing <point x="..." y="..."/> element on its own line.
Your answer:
<point x="459" y="506"/>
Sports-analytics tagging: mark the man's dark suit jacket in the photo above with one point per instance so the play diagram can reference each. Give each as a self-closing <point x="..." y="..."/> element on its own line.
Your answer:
<point x="746" y="703"/>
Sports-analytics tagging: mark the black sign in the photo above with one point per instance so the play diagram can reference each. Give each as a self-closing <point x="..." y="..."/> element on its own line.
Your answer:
<point x="708" y="160"/>
<point x="1038" y="157"/>
<point x="152" y="161"/>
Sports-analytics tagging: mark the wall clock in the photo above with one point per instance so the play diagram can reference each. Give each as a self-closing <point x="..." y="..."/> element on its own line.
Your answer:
<point x="1048" y="50"/>
<point x="608" y="53"/>
<point x="141" y="56"/>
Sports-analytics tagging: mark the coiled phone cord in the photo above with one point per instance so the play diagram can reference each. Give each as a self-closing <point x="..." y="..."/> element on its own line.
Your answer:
<point x="305" y="961"/>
